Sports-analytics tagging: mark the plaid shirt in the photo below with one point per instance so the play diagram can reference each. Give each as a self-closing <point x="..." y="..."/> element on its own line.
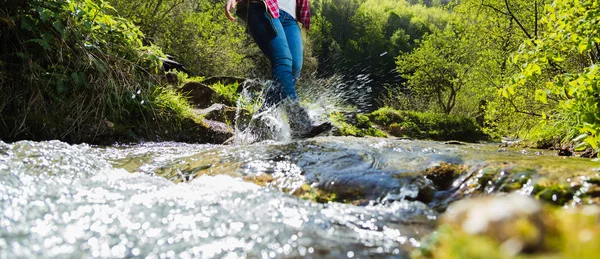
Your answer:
<point x="302" y="10"/>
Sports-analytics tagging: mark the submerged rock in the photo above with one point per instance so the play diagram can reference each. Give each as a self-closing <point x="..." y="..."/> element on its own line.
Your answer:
<point x="454" y="142"/>
<point x="514" y="225"/>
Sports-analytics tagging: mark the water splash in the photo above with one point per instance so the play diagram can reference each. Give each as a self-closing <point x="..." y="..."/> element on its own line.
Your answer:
<point x="271" y="124"/>
<point x="335" y="94"/>
<point x="318" y="98"/>
<point x="268" y="125"/>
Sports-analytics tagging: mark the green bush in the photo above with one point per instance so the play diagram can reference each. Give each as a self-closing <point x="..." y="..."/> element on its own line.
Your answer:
<point x="195" y="32"/>
<point x="561" y="65"/>
<point x="226" y="91"/>
<point x="72" y="71"/>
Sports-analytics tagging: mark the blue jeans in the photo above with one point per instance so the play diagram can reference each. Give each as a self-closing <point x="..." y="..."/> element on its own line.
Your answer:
<point x="280" y="40"/>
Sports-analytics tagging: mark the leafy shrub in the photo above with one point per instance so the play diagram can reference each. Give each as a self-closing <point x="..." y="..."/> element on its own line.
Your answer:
<point x="562" y="67"/>
<point x="227" y="91"/>
<point x="72" y="71"/>
<point x="195" y="32"/>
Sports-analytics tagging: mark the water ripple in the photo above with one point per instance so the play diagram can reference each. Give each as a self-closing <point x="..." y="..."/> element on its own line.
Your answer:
<point x="69" y="201"/>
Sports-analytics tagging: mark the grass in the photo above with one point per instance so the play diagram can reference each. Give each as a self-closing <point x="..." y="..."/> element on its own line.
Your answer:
<point x="63" y="79"/>
<point x="226" y="91"/>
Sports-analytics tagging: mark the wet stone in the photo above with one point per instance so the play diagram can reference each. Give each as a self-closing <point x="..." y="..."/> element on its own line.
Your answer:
<point x="513" y="220"/>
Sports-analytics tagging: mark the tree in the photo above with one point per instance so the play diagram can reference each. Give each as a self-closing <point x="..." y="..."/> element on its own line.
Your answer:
<point x="361" y="38"/>
<point x="439" y="67"/>
<point x="497" y="28"/>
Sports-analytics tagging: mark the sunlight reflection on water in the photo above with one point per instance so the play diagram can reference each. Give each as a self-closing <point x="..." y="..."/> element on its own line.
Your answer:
<point x="60" y="200"/>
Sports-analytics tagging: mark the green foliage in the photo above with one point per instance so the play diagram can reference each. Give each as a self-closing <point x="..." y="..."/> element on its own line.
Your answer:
<point x="501" y="26"/>
<point x="226" y="91"/>
<point x="562" y="66"/>
<point x="427" y="125"/>
<point x="363" y="37"/>
<point x="461" y="69"/>
<point x="544" y="135"/>
<point x="196" y="32"/>
<point x="169" y="100"/>
<point x="183" y="78"/>
<point x="72" y="71"/>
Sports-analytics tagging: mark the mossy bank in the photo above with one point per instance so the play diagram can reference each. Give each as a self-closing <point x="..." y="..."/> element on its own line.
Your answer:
<point x="408" y="124"/>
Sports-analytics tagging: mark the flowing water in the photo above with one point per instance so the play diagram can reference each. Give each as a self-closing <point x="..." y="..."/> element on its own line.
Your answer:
<point x="175" y="200"/>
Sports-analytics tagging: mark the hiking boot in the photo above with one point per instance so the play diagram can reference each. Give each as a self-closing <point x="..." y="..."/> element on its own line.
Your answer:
<point x="301" y="125"/>
<point x="315" y="130"/>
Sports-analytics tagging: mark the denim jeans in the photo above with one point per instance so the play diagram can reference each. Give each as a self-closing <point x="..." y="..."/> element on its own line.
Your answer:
<point x="280" y="40"/>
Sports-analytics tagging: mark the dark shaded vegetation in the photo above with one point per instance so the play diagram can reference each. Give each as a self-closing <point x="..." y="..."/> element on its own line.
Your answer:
<point x="72" y="71"/>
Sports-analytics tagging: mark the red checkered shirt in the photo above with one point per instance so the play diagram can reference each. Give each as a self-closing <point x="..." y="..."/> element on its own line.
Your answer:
<point x="302" y="10"/>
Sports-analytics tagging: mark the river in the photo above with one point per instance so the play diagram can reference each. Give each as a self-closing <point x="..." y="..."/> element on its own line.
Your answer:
<point x="176" y="200"/>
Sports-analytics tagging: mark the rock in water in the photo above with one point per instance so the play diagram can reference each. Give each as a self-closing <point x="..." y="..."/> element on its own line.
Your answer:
<point x="219" y="131"/>
<point x="516" y="221"/>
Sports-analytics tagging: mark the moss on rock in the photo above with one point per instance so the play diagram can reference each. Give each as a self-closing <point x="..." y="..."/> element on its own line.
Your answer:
<point x="427" y="125"/>
<point x="555" y="193"/>
<point x="309" y="193"/>
<point x="358" y="125"/>
<point x="555" y="232"/>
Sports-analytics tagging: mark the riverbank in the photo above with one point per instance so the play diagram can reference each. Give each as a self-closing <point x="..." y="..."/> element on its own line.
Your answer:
<point x="73" y="71"/>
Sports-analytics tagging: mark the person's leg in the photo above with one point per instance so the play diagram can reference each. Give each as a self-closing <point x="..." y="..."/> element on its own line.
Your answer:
<point x="301" y="123"/>
<point x="294" y="39"/>
<point x="270" y="36"/>
<point x="281" y="41"/>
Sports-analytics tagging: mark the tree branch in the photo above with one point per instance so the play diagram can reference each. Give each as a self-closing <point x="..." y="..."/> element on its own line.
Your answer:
<point x="597" y="54"/>
<point x="516" y="20"/>
<point x="519" y="111"/>
<point x="171" y="9"/>
<point x="494" y="8"/>
<point x="535" y="3"/>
